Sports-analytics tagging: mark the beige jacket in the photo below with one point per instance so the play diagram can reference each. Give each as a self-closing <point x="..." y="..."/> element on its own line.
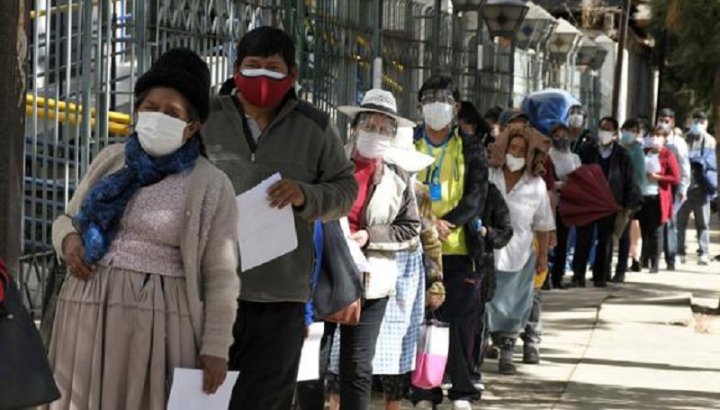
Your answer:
<point x="208" y="245"/>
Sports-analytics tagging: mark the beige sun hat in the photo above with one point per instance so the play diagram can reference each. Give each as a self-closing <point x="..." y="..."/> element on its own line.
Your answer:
<point x="402" y="152"/>
<point x="380" y="101"/>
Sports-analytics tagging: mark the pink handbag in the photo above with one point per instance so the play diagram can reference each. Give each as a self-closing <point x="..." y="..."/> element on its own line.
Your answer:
<point x="432" y="355"/>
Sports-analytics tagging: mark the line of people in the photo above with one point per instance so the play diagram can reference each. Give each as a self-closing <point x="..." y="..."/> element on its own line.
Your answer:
<point x="455" y="217"/>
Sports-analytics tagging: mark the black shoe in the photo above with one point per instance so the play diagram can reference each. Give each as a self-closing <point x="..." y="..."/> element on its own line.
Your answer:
<point x="559" y="285"/>
<point x="577" y="282"/>
<point x="670" y="267"/>
<point x="654" y="269"/>
<point x="546" y="286"/>
<point x="506" y="366"/>
<point x="635" y="266"/>
<point x="618" y="278"/>
<point x="531" y="355"/>
<point x="645" y="264"/>
<point x="600" y="284"/>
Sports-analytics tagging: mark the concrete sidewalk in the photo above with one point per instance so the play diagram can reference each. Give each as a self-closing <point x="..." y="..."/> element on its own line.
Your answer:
<point x="630" y="346"/>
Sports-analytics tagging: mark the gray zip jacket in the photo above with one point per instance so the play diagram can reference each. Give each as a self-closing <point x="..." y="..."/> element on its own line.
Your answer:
<point x="301" y="144"/>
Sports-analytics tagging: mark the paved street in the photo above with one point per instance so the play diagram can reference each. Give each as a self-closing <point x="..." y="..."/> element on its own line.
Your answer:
<point x="625" y="347"/>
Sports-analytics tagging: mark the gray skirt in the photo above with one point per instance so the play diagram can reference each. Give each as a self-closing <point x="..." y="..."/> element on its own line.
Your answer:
<point x="118" y="337"/>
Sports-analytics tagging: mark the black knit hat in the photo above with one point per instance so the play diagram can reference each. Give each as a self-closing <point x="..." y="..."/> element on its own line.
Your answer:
<point x="666" y="112"/>
<point x="183" y="70"/>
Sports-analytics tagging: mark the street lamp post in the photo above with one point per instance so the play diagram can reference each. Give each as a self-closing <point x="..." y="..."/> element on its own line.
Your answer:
<point x="503" y="19"/>
<point x="562" y="43"/>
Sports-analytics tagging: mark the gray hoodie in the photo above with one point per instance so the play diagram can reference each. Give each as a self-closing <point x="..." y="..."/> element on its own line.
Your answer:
<point x="301" y="144"/>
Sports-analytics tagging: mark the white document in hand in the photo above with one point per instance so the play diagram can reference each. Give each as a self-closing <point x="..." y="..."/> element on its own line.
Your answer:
<point x="310" y="356"/>
<point x="265" y="233"/>
<point x="357" y="254"/>
<point x="186" y="392"/>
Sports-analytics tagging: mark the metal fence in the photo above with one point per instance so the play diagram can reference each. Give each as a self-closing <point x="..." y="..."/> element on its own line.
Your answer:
<point x="85" y="56"/>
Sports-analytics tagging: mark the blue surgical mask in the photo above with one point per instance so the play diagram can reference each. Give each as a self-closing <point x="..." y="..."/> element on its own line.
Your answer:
<point x="628" y="137"/>
<point x="697" y="129"/>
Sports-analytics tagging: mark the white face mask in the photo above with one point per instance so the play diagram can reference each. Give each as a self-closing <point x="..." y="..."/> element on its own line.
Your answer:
<point x="371" y="145"/>
<point x="438" y="115"/>
<point x="605" y="137"/>
<point x="576" y="120"/>
<point x="514" y="164"/>
<point x="159" y="134"/>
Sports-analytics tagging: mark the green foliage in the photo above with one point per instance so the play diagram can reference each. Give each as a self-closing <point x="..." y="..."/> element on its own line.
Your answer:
<point x="692" y="51"/>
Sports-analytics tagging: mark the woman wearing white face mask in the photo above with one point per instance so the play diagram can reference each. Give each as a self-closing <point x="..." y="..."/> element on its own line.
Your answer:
<point x="149" y="239"/>
<point x="517" y="159"/>
<point x="383" y="221"/>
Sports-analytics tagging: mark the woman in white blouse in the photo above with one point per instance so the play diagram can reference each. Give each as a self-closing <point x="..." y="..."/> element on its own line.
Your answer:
<point x="517" y="159"/>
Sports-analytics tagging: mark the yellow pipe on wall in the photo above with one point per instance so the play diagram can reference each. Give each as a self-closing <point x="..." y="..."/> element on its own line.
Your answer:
<point x="118" y="117"/>
<point x="73" y="119"/>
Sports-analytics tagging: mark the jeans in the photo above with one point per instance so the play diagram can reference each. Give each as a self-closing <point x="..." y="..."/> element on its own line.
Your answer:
<point x="266" y="351"/>
<point x="603" y="253"/>
<point x="532" y="336"/>
<point x="462" y="287"/>
<point x="670" y="239"/>
<point x="357" y="349"/>
<point x="651" y="230"/>
<point x="700" y="208"/>
<point x="560" y="252"/>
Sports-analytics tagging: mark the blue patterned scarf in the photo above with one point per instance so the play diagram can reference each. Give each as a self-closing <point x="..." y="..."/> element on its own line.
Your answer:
<point x="104" y="206"/>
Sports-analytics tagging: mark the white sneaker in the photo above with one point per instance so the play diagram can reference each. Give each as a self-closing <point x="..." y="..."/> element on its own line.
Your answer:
<point x="479" y="385"/>
<point x="703" y="260"/>
<point x="425" y="405"/>
<point x="461" y="405"/>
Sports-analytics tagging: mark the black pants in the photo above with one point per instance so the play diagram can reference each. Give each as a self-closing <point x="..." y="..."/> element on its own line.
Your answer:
<point x="623" y="252"/>
<point x="357" y="350"/>
<point x="462" y="287"/>
<point x="560" y="251"/>
<point x="651" y="230"/>
<point x="266" y="351"/>
<point x="603" y="250"/>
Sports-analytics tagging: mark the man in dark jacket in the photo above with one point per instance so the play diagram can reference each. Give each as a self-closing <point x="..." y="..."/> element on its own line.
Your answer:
<point x="579" y="135"/>
<point x="617" y="167"/>
<point x="458" y="184"/>
<point x="262" y="128"/>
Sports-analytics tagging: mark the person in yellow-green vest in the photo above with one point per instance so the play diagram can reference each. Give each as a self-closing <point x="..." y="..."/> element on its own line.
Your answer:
<point x="457" y="183"/>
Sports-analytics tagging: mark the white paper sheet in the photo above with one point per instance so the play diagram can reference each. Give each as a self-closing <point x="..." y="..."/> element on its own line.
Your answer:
<point x="357" y="254"/>
<point x="264" y="233"/>
<point x="310" y="356"/>
<point x="186" y="392"/>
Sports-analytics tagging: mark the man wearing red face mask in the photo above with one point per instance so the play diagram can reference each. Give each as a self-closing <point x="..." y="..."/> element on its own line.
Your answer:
<point x="259" y="129"/>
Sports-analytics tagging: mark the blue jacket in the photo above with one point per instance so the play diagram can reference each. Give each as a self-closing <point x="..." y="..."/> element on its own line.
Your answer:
<point x="318" y="238"/>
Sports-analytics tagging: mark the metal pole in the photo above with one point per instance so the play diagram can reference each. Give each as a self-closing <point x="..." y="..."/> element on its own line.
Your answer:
<point x="625" y="17"/>
<point x="436" y="37"/>
<point x="377" y="75"/>
<point x="511" y="73"/>
<point x="14" y="16"/>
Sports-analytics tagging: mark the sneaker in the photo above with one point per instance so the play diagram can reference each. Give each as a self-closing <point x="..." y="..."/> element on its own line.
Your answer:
<point x="703" y="260"/>
<point x="531" y="354"/>
<point x="635" y="266"/>
<point x="461" y="405"/>
<point x="479" y="385"/>
<point x="425" y="405"/>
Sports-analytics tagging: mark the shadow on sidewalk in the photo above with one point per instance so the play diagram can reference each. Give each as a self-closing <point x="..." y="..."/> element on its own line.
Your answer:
<point x="624" y="363"/>
<point x="594" y="396"/>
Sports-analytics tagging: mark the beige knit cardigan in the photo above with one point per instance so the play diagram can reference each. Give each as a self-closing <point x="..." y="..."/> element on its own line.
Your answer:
<point x="208" y="243"/>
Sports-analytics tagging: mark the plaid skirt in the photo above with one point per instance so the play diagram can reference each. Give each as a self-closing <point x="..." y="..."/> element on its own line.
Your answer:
<point x="400" y="330"/>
